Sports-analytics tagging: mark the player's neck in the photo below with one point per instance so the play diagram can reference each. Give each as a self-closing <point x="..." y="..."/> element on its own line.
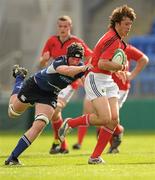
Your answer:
<point x="119" y="33"/>
<point x="65" y="38"/>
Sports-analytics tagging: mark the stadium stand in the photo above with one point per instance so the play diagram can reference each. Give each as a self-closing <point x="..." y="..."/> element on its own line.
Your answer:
<point x="145" y="80"/>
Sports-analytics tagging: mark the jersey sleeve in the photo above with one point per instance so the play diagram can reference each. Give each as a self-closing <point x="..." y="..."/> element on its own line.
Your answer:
<point x="109" y="50"/>
<point x="58" y="62"/>
<point x="79" y="75"/>
<point x="47" y="46"/>
<point x="133" y="53"/>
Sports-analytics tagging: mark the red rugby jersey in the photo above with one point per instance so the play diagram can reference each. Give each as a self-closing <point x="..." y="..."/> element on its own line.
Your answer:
<point x="105" y="49"/>
<point x="132" y="54"/>
<point x="57" y="48"/>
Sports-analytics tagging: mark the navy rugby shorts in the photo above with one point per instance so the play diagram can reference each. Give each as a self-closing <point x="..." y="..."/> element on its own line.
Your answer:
<point x="31" y="93"/>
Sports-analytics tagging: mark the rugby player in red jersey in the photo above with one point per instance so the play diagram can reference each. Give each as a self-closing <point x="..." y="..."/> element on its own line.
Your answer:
<point x="100" y="88"/>
<point x="56" y="46"/>
<point x="141" y="59"/>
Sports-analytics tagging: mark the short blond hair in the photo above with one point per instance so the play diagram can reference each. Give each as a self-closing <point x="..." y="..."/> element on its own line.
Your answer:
<point x="65" y="18"/>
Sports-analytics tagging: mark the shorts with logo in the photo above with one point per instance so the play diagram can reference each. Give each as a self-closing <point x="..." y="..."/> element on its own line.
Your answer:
<point x="99" y="84"/>
<point x="31" y="93"/>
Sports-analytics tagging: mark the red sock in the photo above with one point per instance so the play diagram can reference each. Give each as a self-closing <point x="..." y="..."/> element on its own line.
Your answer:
<point x="82" y="130"/>
<point x="81" y="120"/>
<point x="103" y="138"/>
<point x="64" y="144"/>
<point x="111" y="139"/>
<point x="56" y="125"/>
<point x="97" y="131"/>
<point x="119" y="129"/>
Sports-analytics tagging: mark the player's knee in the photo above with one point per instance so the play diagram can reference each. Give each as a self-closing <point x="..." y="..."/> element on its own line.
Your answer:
<point x="12" y="113"/>
<point x="61" y="104"/>
<point x="104" y="120"/>
<point x="115" y="118"/>
<point x="114" y="123"/>
<point x="42" y="117"/>
<point x="121" y="128"/>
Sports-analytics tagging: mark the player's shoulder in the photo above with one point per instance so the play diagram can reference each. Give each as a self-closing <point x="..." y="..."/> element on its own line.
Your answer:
<point x="61" y="59"/>
<point x="75" y="38"/>
<point x="130" y="48"/>
<point x="53" y="37"/>
<point x="109" y="37"/>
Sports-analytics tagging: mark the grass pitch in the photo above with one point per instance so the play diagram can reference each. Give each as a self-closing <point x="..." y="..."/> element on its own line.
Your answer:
<point x="136" y="160"/>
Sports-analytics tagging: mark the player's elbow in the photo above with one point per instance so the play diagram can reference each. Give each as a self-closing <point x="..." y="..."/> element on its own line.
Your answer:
<point x="145" y="59"/>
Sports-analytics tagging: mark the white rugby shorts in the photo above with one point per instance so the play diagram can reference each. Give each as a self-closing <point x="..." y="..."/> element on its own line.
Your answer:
<point x="99" y="84"/>
<point x="122" y="97"/>
<point x="66" y="93"/>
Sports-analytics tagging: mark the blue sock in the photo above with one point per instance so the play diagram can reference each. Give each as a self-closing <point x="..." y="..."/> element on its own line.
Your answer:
<point x="23" y="144"/>
<point x="18" y="84"/>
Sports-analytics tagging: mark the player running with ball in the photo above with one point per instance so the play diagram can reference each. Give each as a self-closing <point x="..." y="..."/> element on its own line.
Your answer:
<point x="100" y="88"/>
<point x="133" y="54"/>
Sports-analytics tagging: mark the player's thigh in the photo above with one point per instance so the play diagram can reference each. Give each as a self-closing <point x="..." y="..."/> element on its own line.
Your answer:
<point x="114" y="106"/>
<point x="44" y="109"/>
<point x="102" y="108"/>
<point x="87" y="106"/>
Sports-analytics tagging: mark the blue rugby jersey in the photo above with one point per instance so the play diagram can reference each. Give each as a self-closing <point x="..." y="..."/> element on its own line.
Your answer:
<point x="49" y="80"/>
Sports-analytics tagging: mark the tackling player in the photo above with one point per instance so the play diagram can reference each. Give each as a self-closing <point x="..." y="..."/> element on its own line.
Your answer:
<point x="42" y="90"/>
<point x="56" y="46"/>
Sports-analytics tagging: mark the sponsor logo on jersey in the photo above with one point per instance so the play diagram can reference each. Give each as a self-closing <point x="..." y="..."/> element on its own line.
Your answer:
<point x="23" y="98"/>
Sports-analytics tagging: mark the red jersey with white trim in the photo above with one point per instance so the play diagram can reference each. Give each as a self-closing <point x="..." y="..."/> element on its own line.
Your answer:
<point x="105" y="48"/>
<point x="132" y="54"/>
<point x="57" y="48"/>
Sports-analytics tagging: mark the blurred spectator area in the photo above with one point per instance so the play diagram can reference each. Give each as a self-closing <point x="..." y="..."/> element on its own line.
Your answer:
<point x="26" y="25"/>
<point x="145" y="82"/>
<point x="24" y="28"/>
<point x="142" y="36"/>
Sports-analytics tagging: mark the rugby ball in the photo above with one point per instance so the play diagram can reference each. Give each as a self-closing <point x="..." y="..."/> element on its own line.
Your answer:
<point x="119" y="57"/>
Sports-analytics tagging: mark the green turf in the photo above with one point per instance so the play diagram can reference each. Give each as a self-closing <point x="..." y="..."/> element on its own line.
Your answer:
<point x="136" y="160"/>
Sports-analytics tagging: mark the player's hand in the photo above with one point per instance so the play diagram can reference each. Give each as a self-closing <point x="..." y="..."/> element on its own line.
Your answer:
<point x="122" y="75"/>
<point x="87" y="67"/>
<point x="125" y="66"/>
<point x="128" y="76"/>
<point x="44" y="60"/>
<point x="46" y="56"/>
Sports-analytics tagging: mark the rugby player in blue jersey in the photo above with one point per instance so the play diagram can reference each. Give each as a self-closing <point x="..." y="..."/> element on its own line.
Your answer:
<point x="42" y="90"/>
